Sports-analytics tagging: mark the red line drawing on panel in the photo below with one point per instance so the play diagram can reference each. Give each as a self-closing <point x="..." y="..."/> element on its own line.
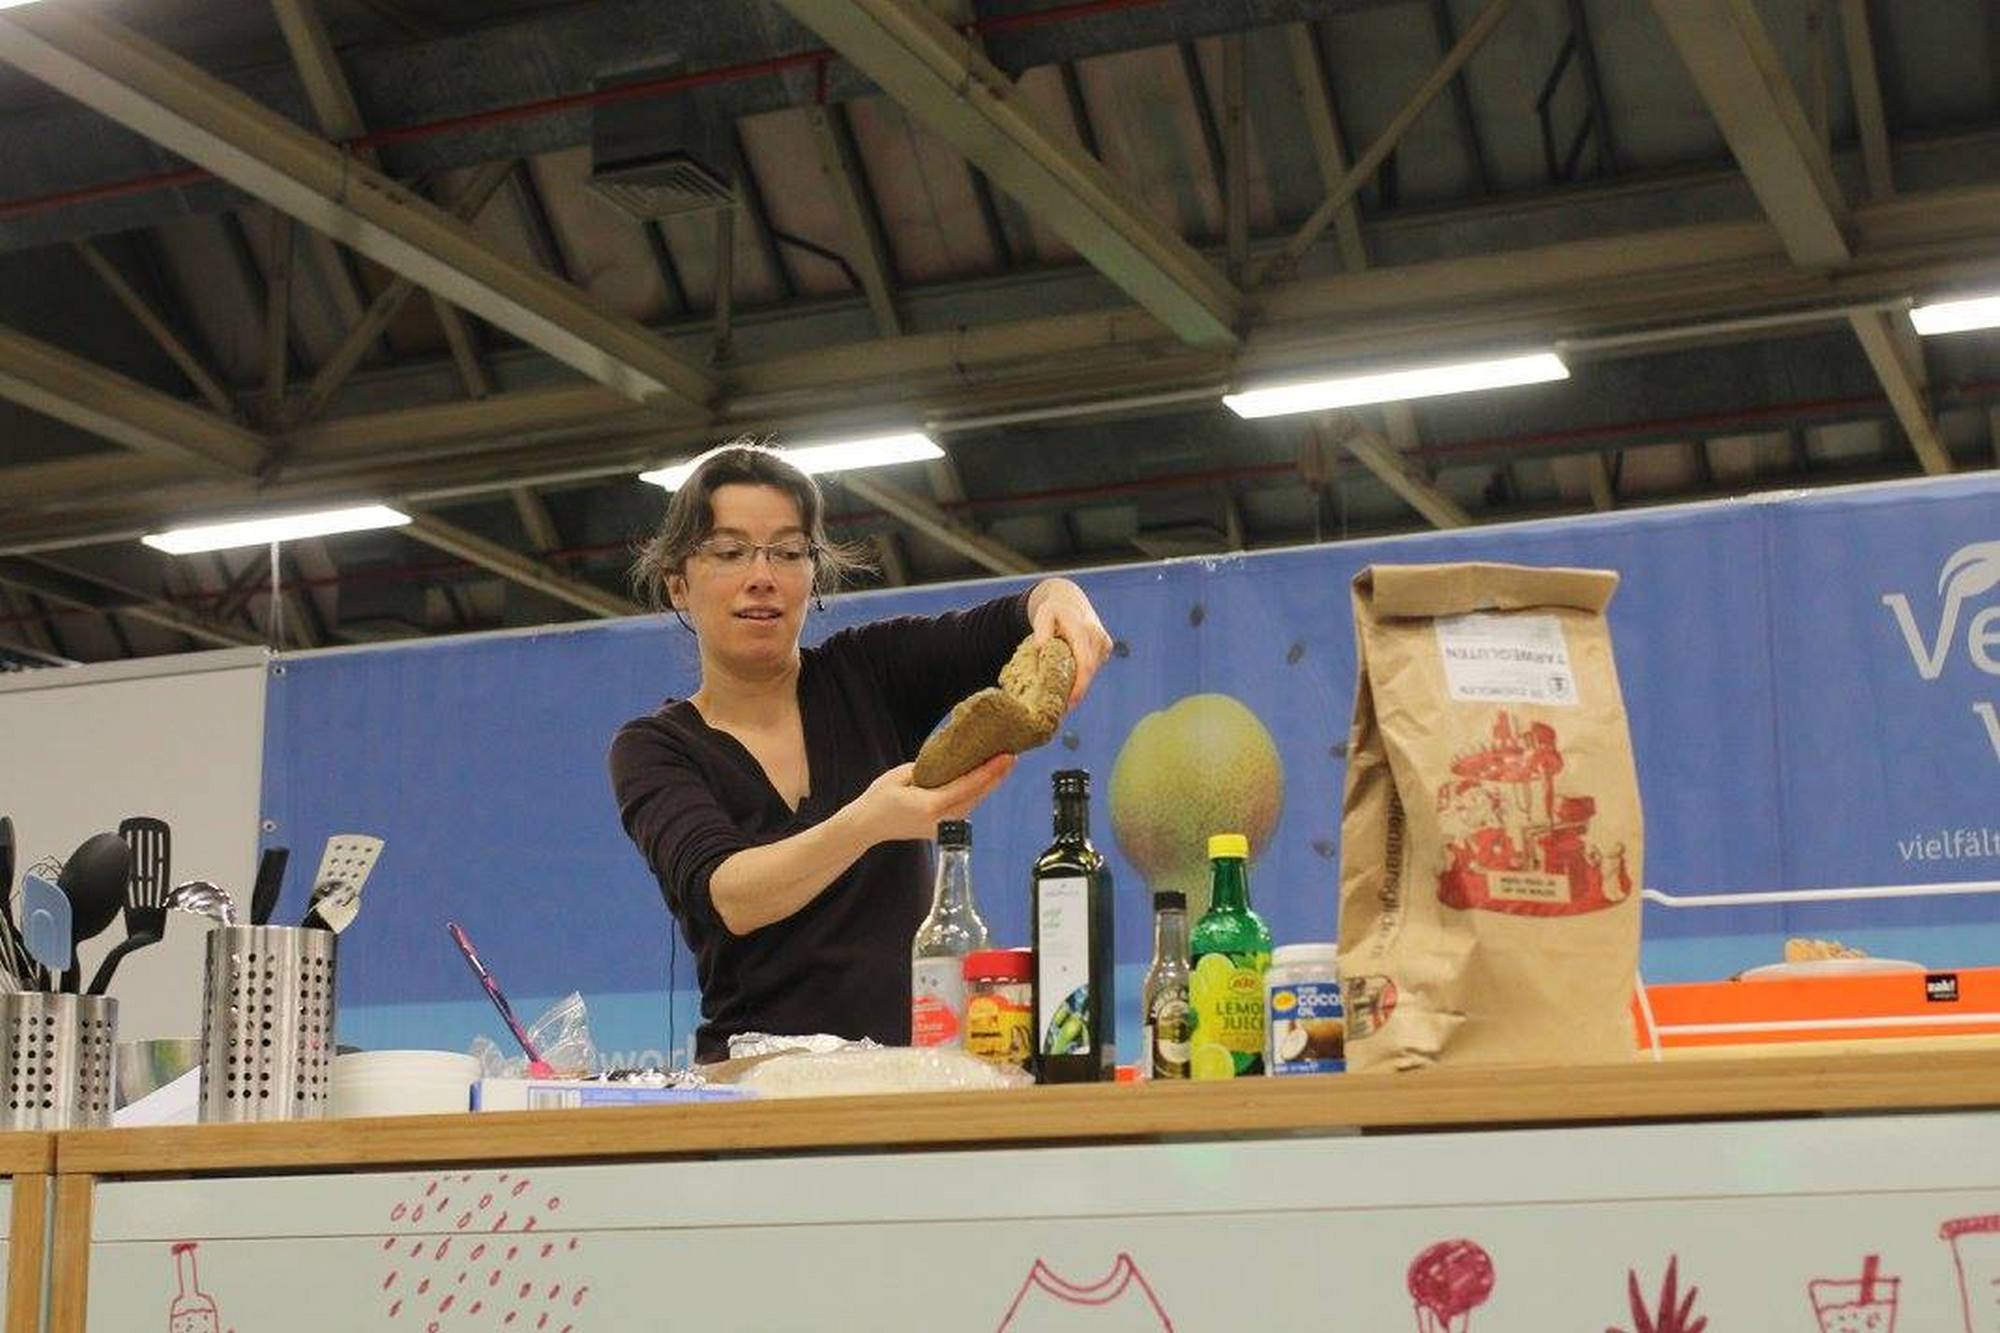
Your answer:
<point x="1850" y="1305"/>
<point x="1674" y="1314"/>
<point x="192" y="1309"/>
<point x="1448" y="1281"/>
<point x="1122" y="1301"/>
<point x="1975" y="1252"/>
<point x="457" y="1260"/>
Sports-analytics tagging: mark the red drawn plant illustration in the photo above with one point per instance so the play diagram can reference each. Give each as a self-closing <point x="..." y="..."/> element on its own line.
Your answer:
<point x="1448" y="1281"/>
<point x="1975" y="1253"/>
<point x="1850" y="1305"/>
<point x="1674" y="1314"/>
<point x="469" y="1251"/>
<point x="1121" y="1299"/>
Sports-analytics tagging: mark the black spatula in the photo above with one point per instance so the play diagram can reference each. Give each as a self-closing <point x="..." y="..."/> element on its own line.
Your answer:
<point x="270" y="883"/>
<point x="151" y="843"/>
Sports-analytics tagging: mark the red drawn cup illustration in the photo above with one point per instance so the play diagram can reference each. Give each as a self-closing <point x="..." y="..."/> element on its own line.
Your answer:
<point x="1975" y="1251"/>
<point x="1856" y="1305"/>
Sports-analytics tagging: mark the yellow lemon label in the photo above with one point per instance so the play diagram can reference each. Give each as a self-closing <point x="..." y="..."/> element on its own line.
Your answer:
<point x="1226" y="992"/>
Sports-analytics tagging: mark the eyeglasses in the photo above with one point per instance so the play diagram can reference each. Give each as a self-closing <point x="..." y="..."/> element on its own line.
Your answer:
<point x="789" y="556"/>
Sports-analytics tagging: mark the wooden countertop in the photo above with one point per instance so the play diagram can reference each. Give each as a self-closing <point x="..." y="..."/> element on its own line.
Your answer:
<point x="1100" y="1113"/>
<point x="25" y="1152"/>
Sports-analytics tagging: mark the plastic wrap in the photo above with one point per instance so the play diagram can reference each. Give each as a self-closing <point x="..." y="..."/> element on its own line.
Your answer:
<point x="749" y="1045"/>
<point x="852" y="1068"/>
<point x="561" y="1034"/>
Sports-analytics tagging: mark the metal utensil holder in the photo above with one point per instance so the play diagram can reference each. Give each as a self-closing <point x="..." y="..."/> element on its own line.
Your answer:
<point x="58" y="1057"/>
<point x="267" y="1024"/>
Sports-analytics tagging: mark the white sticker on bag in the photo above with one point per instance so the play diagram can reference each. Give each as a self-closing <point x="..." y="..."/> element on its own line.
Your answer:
<point x="1506" y="659"/>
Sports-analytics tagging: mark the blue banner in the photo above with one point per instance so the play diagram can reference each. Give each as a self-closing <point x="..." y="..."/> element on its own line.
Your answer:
<point x="1812" y="683"/>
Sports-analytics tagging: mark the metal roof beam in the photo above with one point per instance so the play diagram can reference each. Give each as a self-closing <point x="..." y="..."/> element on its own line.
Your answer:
<point x="1358" y="175"/>
<point x="382" y="312"/>
<point x="1743" y="80"/>
<point x="515" y="567"/>
<point x="62" y="385"/>
<point x="199" y="375"/>
<point x="867" y="249"/>
<point x="319" y="69"/>
<point x="961" y="96"/>
<point x="1393" y="468"/>
<point x="924" y="517"/>
<point x="339" y="116"/>
<point x="148" y="89"/>
<point x="536" y="520"/>
<point x="68" y="586"/>
<point x="1865" y="81"/>
<point x="1706" y="275"/>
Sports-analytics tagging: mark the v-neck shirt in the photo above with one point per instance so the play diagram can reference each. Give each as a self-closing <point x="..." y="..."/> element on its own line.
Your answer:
<point x="691" y="796"/>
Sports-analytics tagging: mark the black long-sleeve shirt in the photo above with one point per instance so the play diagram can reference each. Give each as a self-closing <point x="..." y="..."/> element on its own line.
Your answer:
<point x="691" y="796"/>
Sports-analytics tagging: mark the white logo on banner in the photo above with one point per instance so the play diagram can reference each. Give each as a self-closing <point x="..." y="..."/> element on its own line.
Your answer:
<point x="1971" y="572"/>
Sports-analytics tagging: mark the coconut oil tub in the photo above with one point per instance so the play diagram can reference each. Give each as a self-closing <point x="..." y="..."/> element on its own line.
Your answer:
<point x="1306" y="1027"/>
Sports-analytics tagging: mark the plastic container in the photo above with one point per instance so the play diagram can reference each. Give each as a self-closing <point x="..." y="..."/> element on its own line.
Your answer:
<point x="1306" y="1026"/>
<point x="999" y="1006"/>
<point x="369" y="1083"/>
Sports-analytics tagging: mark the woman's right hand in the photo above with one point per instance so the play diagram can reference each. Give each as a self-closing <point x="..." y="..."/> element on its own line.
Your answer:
<point x="895" y="809"/>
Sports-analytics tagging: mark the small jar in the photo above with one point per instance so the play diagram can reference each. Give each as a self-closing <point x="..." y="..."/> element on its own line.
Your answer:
<point x="999" y="1005"/>
<point x="1306" y="1027"/>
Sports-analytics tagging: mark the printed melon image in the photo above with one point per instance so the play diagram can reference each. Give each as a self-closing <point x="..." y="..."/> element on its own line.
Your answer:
<point x="1204" y="765"/>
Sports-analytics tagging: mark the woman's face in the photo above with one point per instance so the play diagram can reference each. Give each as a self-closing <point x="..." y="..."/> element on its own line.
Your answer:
<point x="745" y="586"/>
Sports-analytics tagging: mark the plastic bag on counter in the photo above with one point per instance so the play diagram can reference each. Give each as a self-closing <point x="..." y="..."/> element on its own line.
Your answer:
<point x="863" y="1068"/>
<point x="562" y="1035"/>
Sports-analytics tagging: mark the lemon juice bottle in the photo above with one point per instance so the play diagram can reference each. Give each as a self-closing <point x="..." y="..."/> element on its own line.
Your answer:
<point x="1230" y="948"/>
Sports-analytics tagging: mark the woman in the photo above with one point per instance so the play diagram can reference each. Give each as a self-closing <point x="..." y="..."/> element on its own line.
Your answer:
<point x="775" y="803"/>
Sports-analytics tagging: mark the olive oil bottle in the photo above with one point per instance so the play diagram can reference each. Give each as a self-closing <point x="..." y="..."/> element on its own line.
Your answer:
<point x="1070" y="912"/>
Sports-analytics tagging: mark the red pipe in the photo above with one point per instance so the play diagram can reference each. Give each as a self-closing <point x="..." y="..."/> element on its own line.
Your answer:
<point x="552" y="106"/>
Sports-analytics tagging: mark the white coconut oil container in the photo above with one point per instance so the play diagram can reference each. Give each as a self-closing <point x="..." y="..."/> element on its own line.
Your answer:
<point x="1305" y="1026"/>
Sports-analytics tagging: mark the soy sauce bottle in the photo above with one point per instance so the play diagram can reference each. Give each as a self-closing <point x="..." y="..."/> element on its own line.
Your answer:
<point x="1070" y="912"/>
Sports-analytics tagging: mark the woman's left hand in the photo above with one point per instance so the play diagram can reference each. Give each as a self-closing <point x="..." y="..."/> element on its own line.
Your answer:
<point x="1058" y="609"/>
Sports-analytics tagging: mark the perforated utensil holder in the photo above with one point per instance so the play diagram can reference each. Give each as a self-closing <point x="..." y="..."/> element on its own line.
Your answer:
<point x="59" y="1056"/>
<point x="267" y="1024"/>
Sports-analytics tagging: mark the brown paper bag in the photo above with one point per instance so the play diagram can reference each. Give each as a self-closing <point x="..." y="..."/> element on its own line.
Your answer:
<point x="1490" y="826"/>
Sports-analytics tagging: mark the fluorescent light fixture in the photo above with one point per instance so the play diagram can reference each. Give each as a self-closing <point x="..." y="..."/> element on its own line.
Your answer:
<point x="1977" y="312"/>
<point x="834" y="456"/>
<point x="1391" y="386"/>
<point x="276" y="528"/>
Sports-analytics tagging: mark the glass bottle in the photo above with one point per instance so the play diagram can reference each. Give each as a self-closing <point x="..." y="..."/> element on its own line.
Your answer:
<point x="1231" y="949"/>
<point x="1070" y="913"/>
<point x="937" y="954"/>
<point x="1168" y="1022"/>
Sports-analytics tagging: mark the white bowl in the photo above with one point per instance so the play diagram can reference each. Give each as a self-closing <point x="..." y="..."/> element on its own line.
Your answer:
<point x="371" y="1083"/>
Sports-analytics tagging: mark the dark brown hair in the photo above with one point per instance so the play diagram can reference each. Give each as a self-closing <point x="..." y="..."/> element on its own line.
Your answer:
<point x="691" y="517"/>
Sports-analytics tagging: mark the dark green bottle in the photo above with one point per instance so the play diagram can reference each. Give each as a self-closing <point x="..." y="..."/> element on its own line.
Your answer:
<point x="1070" y="914"/>
<point x="1231" y="950"/>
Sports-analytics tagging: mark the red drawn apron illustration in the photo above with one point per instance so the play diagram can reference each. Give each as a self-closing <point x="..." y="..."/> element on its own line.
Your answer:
<point x="1120" y="1302"/>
